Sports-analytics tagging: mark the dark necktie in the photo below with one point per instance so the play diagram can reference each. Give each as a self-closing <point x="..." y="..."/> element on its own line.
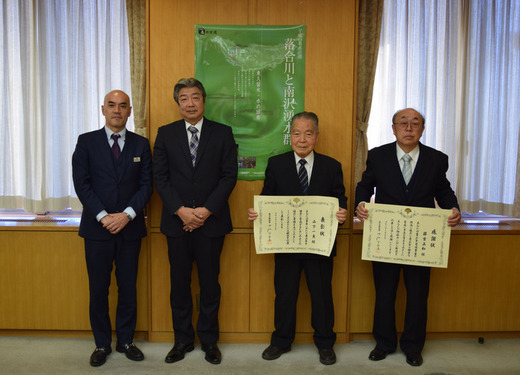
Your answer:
<point x="302" y="175"/>
<point x="116" y="150"/>
<point x="194" y="143"/>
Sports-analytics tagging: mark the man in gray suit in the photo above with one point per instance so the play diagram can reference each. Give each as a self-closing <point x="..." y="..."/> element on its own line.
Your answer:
<point x="195" y="170"/>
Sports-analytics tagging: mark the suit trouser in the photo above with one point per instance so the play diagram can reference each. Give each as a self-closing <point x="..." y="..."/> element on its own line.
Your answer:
<point x="386" y="281"/>
<point x="100" y="257"/>
<point x="182" y="252"/>
<point x="318" y="273"/>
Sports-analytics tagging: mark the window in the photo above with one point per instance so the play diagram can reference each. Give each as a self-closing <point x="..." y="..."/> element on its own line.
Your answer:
<point x="458" y="63"/>
<point x="59" y="59"/>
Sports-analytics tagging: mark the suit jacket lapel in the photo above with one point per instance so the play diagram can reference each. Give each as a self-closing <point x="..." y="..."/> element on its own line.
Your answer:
<point x="316" y="174"/>
<point x="293" y="177"/>
<point x="126" y="156"/>
<point x="105" y="152"/>
<point x="180" y="139"/>
<point x="394" y="166"/>
<point x="420" y="165"/>
<point x="204" y="138"/>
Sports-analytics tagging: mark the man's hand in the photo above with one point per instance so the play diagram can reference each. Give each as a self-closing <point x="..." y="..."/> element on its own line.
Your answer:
<point x="341" y="215"/>
<point x="114" y="223"/>
<point x="361" y="211"/>
<point x="454" y="218"/>
<point x="251" y="214"/>
<point x="193" y="218"/>
<point x="202" y="213"/>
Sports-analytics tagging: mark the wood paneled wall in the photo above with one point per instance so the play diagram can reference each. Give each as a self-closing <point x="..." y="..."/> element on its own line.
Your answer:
<point x="330" y="57"/>
<point x="247" y="311"/>
<point x="43" y="278"/>
<point x="44" y="282"/>
<point x="476" y="293"/>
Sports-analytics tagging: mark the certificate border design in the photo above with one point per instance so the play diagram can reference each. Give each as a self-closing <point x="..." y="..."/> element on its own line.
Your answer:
<point x="407" y="212"/>
<point x="298" y="201"/>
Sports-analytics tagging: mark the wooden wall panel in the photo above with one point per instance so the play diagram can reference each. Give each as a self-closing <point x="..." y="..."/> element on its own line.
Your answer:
<point x="234" y="281"/>
<point x="161" y="318"/>
<point x="330" y="57"/>
<point x="44" y="282"/>
<point x="479" y="289"/>
<point x="329" y="69"/>
<point x="476" y="293"/>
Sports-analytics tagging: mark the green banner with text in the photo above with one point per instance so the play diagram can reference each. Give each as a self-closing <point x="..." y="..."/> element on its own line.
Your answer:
<point x="255" y="82"/>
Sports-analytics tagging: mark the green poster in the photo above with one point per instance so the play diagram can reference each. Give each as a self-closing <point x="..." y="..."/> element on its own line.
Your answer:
<point x="255" y="82"/>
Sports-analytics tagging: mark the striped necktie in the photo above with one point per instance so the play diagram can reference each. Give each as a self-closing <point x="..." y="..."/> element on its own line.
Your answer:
<point x="194" y="143"/>
<point x="302" y="175"/>
<point x="407" y="168"/>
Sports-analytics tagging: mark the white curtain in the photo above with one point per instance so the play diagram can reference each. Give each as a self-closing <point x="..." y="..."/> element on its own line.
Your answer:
<point x="458" y="63"/>
<point x="59" y="59"/>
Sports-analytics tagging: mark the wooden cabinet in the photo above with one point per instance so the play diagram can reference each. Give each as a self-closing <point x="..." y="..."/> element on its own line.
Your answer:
<point x="44" y="282"/>
<point x="476" y="294"/>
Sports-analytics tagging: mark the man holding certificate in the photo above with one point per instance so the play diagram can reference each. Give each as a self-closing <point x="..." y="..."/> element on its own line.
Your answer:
<point x="304" y="172"/>
<point x="404" y="172"/>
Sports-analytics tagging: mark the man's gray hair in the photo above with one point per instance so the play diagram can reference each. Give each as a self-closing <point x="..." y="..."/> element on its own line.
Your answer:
<point x="187" y="83"/>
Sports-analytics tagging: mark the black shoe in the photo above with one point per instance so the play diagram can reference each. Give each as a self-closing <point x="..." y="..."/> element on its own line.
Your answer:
<point x="99" y="356"/>
<point x="132" y="352"/>
<point x="327" y="356"/>
<point x="178" y="351"/>
<point x="414" y="359"/>
<point x="213" y="354"/>
<point x="273" y="352"/>
<point x="378" y="354"/>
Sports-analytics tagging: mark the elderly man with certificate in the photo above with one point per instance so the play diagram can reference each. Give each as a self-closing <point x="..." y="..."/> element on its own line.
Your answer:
<point x="409" y="174"/>
<point x="302" y="202"/>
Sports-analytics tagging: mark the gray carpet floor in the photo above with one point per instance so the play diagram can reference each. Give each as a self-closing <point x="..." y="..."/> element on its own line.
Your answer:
<point x="23" y="355"/>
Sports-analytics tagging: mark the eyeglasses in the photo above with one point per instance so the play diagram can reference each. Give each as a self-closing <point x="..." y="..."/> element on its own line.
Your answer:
<point x="404" y="124"/>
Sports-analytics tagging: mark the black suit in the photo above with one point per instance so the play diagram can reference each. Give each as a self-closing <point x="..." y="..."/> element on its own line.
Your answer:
<point x="281" y="178"/>
<point x="103" y="182"/>
<point x="428" y="183"/>
<point x="207" y="184"/>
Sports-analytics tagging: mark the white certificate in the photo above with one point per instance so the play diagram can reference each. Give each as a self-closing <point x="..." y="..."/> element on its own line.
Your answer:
<point x="297" y="224"/>
<point x="406" y="235"/>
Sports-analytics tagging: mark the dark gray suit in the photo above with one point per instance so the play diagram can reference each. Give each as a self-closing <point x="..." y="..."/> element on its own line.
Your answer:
<point x="207" y="184"/>
<point x="427" y="184"/>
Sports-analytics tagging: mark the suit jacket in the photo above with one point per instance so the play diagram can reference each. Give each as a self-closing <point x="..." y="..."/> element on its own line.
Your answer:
<point x="281" y="178"/>
<point x="428" y="182"/>
<point x="104" y="183"/>
<point x="207" y="184"/>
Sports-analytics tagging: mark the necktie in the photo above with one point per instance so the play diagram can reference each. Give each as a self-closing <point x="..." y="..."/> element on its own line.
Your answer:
<point x="407" y="168"/>
<point x="194" y="143"/>
<point x="302" y="175"/>
<point x="116" y="150"/>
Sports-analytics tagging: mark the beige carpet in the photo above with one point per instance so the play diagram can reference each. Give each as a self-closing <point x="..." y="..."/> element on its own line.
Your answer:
<point x="21" y="355"/>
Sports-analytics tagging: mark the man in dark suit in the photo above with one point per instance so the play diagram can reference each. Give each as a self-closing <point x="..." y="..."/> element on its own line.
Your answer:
<point x="387" y="170"/>
<point x="195" y="171"/>
<point x="112" y="173"/>
<point x="321" y="175"/>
